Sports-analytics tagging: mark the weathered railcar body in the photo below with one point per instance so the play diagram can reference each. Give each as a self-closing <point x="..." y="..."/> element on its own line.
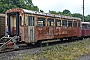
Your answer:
<point x="85" y="29"/>
<point x="2" y="25"/>
<point x="33" y="26"/>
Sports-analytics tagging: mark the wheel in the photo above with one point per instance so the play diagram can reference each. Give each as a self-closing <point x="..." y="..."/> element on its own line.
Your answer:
<point x="61" y="39"/>
<point x="70" y="39"/>
<point x="38" y="43"/>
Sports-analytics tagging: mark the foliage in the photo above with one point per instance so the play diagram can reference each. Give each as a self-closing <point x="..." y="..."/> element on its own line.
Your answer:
<point x="9" y="4"/>
<point x="87" y="18"/>
<point x="41" y="11"/>
<point x="54" y="12"/>
<point x="66" y="11"/>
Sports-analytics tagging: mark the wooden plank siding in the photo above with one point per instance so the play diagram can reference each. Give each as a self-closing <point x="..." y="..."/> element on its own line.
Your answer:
<point x="2" y="25"/>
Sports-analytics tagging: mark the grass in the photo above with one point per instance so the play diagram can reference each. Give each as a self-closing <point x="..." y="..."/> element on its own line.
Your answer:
<point x="69" y="51"/>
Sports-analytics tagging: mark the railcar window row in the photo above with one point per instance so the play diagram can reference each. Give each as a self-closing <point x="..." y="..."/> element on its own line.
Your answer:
<point x="50" y="22"/>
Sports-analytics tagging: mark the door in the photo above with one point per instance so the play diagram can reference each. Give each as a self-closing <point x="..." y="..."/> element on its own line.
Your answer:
<point x="13" y="24"/>
<point x="31" y="28"/>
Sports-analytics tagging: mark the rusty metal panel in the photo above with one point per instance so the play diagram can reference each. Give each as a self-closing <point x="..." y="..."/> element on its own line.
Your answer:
<point x="61" y="32"/>
<point x="43" y="33"/>
<point x="22" y="33"/>
<point x="20" y="10"/>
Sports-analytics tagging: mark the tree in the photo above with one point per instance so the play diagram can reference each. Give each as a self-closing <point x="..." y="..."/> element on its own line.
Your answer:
<point x="52" y="12"/>
<point x="41" y="11"/>
<point x="66" y="11"/>
<point x="87" y="18"/>
<point x="60" y="13"/>
<point x="9" y="4"/>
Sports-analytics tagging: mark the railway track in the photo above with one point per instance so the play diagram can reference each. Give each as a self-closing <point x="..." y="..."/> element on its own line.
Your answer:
<point x="25" y="46"/>
<point x="21" y="47"/>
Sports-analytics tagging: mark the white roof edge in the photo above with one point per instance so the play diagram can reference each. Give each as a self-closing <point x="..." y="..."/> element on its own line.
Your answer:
<point x="85" y="22"/>
<point x="48" y="14"/>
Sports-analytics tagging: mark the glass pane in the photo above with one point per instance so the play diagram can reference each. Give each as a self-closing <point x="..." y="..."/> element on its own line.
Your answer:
<point x="83" y="26"/>
<point x="88" y="26"/>
<point x="64" y="23"/>
<point x="78" y="24"/>
<point x="31" y="21"/>
<point x="75" y="24"/>
<point x="41" y="21"/>
<point x="50" y="22"/>
<point x="20" y="20"/>
<point x="69" y="23"/>
<point x="58" y="23"/>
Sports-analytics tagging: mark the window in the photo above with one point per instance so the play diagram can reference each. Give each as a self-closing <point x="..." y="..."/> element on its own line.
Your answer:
<point x="58" y="23"/>
<point x="88" y="26"/>
<point x="50" y="22"/>
<point x="69" y="23"/>
<point x="31" y="20"/>
<point x="41" y="21"/>
<point x="64" y="23"/>
<point x="83" y="26"/>
<point x="78" y="24"/>
<point x="75" y="24"/>
<point x="20" y="21"/>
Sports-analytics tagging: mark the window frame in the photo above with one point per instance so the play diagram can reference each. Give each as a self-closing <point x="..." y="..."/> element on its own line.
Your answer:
<point x="40" y="21"/>
<point x="49" y="22"/>
<point x="64" y="23"/>
<point x="88" y="26"/>
<point x="30" y="22"/>
<point x="70" y="22"/>
<point x="56" y="24"/>
<point x="74" y="23"/>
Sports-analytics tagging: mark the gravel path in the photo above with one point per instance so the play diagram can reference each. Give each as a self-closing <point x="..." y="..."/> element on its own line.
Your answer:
<point x="18" y="54"/>
<point x="84" y="57"/>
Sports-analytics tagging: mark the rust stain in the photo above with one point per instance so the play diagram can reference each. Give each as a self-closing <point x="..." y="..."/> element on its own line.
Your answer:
<point x="20" y="10"/>
<point x="43" y="33"/>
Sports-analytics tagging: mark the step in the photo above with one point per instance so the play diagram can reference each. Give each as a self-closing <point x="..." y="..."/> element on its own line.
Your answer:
<point x="1" y="43"/>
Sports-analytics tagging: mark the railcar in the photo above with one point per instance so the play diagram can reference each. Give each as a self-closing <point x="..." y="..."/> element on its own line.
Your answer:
<point x="85" y="29"/>
<point x="33" y="26"/>
<point x="2" y="25"/>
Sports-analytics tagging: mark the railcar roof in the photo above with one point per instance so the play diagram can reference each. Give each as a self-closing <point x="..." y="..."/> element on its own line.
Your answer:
<point x="48" y="14"/>
<point x="85" y="22"/>
<point x="22" y="11"/>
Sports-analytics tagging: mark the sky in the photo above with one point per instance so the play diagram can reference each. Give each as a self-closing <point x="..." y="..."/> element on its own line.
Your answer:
<point x="74" y="6"/>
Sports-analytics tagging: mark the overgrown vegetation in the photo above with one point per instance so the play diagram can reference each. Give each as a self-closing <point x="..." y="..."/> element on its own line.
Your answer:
<point x="69" y="51"/>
